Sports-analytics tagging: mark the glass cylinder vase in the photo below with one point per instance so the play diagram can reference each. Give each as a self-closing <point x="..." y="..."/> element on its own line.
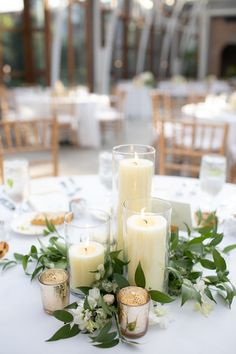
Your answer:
<point x="133" y="170"/>
<point x="146" y="234"/>
<point x="87" y="233"/>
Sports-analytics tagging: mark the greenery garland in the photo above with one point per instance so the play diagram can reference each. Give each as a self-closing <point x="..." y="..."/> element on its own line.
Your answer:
<point x="193" y="260"/>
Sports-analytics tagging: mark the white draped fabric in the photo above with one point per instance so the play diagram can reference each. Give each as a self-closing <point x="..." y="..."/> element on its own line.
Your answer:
<point x="79" y="110"/>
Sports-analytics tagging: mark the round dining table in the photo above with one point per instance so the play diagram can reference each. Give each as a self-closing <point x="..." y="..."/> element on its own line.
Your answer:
<point x="24" y="327"/>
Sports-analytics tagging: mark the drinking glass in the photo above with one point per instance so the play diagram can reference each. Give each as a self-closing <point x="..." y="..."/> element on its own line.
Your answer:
<point x="146" y="239"/>
<point x="212" y="175"/>
<point x="105" y="169"/>
<point x="16" y="181"/>
<point x="87" y="233"/>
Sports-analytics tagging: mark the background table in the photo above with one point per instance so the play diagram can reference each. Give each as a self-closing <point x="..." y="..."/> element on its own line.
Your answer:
<point x="24" y="326"/>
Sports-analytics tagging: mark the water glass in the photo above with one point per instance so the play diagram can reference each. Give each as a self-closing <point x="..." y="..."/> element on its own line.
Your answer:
<point x="212" y="174"/>
<point x="16" y="180"/>
<point x="105" y="169"/>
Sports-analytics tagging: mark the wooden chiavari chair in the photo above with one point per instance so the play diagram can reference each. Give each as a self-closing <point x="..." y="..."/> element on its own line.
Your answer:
<point x="23" y="137"/>
<point x="190" y="140"/>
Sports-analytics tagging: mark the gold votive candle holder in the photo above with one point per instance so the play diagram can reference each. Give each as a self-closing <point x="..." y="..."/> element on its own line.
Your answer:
<point x="54" y="285"/>
<point x="133" y="311"/>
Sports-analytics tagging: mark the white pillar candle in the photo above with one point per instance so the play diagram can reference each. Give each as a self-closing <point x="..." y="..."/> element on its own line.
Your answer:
<point x="146" y="243"/>
<point x="134" y="181"/>
<point x="84" y="258"/>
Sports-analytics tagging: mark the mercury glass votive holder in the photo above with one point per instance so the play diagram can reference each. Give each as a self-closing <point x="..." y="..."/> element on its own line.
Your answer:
<point x="133" y="311"/>
<point x="54" y="285"/>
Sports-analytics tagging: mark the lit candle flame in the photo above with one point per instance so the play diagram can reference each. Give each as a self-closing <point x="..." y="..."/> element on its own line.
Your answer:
<point x="143" y="215"/>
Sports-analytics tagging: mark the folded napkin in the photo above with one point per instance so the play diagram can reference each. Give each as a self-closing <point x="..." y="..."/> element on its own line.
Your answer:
<point x="47" y="195"/>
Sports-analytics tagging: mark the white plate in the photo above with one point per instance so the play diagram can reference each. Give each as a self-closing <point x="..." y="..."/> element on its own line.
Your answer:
<point x="22" y="225"/>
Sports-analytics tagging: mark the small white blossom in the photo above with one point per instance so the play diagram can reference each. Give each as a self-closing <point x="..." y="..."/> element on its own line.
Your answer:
<point x="93" y="297"/>
<point x="78" y="315"/>
<point x="160" y="315"/>
<point x="100" y="268"/>
<point x="207" y="304"/>
<point x="97" y="276"/>
<point x="109" y="299"/>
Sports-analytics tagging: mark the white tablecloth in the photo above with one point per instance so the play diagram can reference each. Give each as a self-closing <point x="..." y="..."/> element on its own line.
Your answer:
<point x="215" y="110"/>
<point x="137" y="103"/>
<point x="186" y="88"/>
<point x="24" y="326"/>
<point x="82" y="111"/>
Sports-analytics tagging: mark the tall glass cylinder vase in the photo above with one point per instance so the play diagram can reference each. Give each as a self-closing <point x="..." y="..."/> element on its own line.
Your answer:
<point x="146" y="235"/>
<point x="87" y="235"/>
<point x="133" y="169"/>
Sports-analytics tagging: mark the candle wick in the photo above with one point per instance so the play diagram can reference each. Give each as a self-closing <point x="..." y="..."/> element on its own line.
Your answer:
<point x="145" y="221"/>
<point x="86" y="249"/>
<point x="135" y="163"/>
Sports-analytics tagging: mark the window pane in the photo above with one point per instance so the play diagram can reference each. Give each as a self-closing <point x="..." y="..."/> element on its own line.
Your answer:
<point x="79" y="36"/>
<point x="13" y="52"/>
<point x="38" y="45"/>
<point x="37" y="13"/>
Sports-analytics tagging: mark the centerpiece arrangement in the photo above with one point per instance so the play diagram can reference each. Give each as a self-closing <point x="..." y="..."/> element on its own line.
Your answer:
<point x="151" y="264"/>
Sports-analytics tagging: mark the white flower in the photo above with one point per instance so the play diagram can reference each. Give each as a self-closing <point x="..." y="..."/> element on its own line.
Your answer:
<point x="97" y="276"/>
<point x="109" y="299"/>
<point x="200" y="286"/>
<point x="205" y="308"/>
<point x="78" y="315"/>
<point x="100" y="268"/>
<point x="207" y="304"/>
<point x="95" y="293"/>
<point x="93" y="297"/>
<point x="160" y="315"/>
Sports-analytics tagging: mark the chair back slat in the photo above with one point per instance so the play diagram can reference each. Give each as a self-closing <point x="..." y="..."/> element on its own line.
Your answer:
<point x="30" y="136"/>
<point x="188" y="142"/>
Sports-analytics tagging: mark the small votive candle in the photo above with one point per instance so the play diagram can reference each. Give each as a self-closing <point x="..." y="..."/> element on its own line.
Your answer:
<point x="54" y="285"/>
<point x="133" y="311"/>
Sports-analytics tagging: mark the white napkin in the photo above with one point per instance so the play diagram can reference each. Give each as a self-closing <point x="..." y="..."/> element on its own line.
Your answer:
<point x="47" y="195"/>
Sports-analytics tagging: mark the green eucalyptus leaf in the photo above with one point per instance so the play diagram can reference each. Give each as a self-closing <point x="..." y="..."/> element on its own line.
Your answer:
<point x="24" y="261"/>
<point x="63" y="316"/>
<point x="219" y="260"/>
<point x="188" y="229"/>
<point x="217" y="240"/>
<point x="6" y="264"/>
<point x="107" y="337"/>
<point x="73" y="305"/>
<point x="188" y="292"/>
<point x="36" y="271"/>
<point x="62" y="333"/>
<point x="206" y="263"/>
<point x="111" y="344"/>
<point x="229" y="248"/>
<point x="121" y="281"/>
<point x="208" y="293"/>
<point x="140" y="277"/>
<point x="18" y="257"/>
<point x="160" y="297"/>
<point x="65" y="332"/>
<point x="84" y="289"/>
<point x="105" y="329"/>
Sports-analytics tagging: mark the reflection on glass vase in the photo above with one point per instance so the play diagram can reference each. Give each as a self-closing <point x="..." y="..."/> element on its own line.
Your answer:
<point x="87" y="233"/>
<point x="146" y="236"/>
<point x="133" y="169"/>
